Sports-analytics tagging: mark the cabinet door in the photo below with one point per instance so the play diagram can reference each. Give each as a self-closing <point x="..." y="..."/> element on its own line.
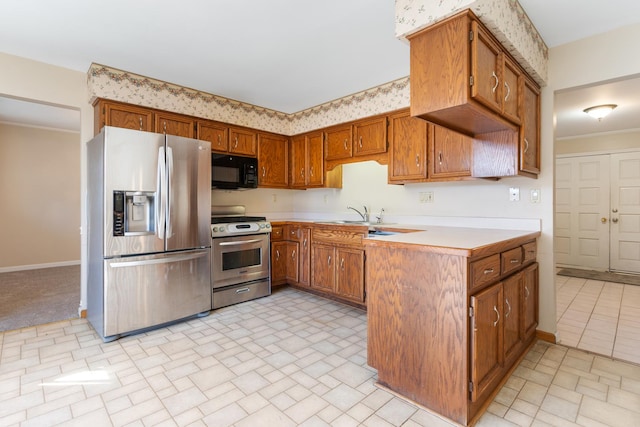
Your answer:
<point x="315" y="160"/>
<point x="127" y="116"/>
<point x="486" y="339"/>
<point x="450" y="153"/>
<point x="407" y="149"/>
<point x="338" y="143"/>
<point x="304" y="273"/>
<point x="350" y="274"/>
<point x="485" y="66"/>
<point x="511" y="89"/>
<point x="298" y="161"/>
<point x="513" y="337"/>
<point x="530" y="301"/>
<point x="370" y="137"/>
<point x="530" y="129"/>
<point x="273" y="161"/>
<point x="174" y="124"/>
<point x="323" y="259"/>
<point x="292" y="262"/>
<point x="278" y="261"/>
<point x="242" y="141"/>
<point x="216" y="133"/>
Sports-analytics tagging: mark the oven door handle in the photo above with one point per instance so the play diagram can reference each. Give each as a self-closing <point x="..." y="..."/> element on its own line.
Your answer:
<point x="244" y="242"/>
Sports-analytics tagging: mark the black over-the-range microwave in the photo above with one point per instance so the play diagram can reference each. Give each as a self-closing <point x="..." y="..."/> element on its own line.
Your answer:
<point x="233" y="172"/>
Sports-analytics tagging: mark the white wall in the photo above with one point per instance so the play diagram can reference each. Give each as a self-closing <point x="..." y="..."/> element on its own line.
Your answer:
<point x="31" y="80"/>
<point x="600" y="143"/>
<point x="40" y="189"/>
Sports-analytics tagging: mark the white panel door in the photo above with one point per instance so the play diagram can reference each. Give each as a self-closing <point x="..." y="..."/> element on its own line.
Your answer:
<point x="625" y="212"/>
<point x="582" y="212"/>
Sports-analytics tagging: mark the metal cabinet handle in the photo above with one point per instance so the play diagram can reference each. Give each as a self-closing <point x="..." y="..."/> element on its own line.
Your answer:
<point x="342" y="264"/>
<point x="242" y="290"/>
<point x="508" y="91"/>
<point x="304" y="243"/>
<point x="264" y="171"/>
<point x="515" y="261"/>
<point x="360" y="142"/>
<point x="302" y="172"/>
<point x="311" y="171"/>
<point x="526" y="289"/>
<point x="277" y="254"/>
<point x="417" y="159"/>
<point x="526" y="145"/>
<point x="164" y="126"/>
<point x="440" y="157"/>
<point x="329" y="260"/>
<point x="509" y="307"/>
<point x="493" y="89"/>
<point x="293" y="254"/>
<point x="236" y="144"/>
<point x="345" y="144"/>
<point x="488" y="271"/>
<point x="498" y="314"/>
<point x="141" y="123"/>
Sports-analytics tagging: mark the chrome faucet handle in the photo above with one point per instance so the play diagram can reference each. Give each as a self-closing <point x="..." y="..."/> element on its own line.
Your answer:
<point x="366" y="214"/>
<point x="379" y="218"/>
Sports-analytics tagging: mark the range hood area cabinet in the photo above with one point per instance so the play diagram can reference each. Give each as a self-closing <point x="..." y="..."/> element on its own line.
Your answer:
<point x="464" y="80"/>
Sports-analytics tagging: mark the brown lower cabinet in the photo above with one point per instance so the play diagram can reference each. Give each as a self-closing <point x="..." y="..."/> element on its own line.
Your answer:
<point x="321" y="258"/>
<point x="445" y="327"/>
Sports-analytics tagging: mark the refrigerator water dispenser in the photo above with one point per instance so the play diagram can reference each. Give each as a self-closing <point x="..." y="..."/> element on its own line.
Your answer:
<point x="133" y="213"/>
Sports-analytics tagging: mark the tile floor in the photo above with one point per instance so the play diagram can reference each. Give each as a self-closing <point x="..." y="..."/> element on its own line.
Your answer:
<point x="601" y="317"/>
<point x="285" y="360"/>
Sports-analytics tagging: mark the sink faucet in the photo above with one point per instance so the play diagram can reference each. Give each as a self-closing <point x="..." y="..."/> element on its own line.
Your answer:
<point x="379" y="218"/>
<point x="365" y="216"/>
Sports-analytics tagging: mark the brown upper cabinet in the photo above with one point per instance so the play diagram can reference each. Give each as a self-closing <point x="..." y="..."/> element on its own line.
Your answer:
<point x="216" y="133"/>
<point x="338" y="142"/>
<point x="109" y="113"/>
<point x="174" y="124"/>
<point x="474" y="86"/>
<point x="273" y="160"/>
<point x="242" y="141"/>
<point x="364" y="137"/>
<point x="307" y="160"/>
<point x="370" y="136"/>
<point x="461" y="86"/>
<point x="420" y="151"/>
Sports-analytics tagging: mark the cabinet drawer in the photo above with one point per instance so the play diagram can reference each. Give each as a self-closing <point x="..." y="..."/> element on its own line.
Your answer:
<point x="511" y="260"/>
<point x="485" y="271"/>
<point x="337" y="236"/>
<point x="530" y="251"/>
<point x="277" y="232"/>
<point x="292" y="233"/>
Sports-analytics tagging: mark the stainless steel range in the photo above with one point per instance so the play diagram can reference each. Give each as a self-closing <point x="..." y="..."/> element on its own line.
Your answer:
<point x="240" y="256"/>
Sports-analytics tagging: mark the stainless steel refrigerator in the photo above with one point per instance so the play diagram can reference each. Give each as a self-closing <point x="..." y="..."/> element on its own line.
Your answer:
<point x="149" y="236"/>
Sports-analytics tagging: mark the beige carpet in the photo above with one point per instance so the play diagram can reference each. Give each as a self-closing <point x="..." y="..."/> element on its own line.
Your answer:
<point x="35" y="297"/>
<point x="628" y="279"/>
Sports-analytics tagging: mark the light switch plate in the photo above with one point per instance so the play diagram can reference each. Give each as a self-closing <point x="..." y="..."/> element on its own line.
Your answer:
<point x="535" y="195"/>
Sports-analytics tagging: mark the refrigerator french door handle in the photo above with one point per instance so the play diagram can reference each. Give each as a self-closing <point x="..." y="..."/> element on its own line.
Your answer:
<point x="160" y="203"/>
<point x="169" y="160"/>
<point x="163" y="260"/>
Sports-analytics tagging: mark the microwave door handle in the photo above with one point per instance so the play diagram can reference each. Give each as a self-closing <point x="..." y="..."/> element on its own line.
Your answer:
<point x="160" y="205"/>
<point x="169" y="190"/>
<point x="244" y="242"/>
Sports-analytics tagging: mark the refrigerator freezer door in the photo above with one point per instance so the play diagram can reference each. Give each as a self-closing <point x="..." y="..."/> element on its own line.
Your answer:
<point x="145" y="291"/>
<point x="132" y="165"/>
<point x="189" y="181"/>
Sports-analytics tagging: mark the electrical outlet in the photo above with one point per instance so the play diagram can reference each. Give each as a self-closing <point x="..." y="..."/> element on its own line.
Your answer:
<point x="426" y="197"/>
<point x="514" y="194"/>
<point x="275" y="199"/>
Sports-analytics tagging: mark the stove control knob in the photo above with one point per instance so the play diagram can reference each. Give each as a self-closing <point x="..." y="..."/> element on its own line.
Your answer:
<point x="268" y="225"/>
<point x="215" y="229"/>
<point x="221" y="228"/>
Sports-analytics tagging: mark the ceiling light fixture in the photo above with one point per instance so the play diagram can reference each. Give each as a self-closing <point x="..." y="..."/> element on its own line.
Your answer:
<point x="600" y="111"/>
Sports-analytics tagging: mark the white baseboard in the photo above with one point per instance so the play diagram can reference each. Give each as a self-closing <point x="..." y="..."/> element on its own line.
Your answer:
<point x="38" y="266"/>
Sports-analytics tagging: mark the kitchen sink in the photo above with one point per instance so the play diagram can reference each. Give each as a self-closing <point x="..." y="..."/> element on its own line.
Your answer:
<point x="374" y="233"/>
<point x="343" y="221"/>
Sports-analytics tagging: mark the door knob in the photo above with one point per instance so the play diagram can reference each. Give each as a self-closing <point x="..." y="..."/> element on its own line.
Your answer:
<point x="603" y="220"/>
<point x="614" y="220"/>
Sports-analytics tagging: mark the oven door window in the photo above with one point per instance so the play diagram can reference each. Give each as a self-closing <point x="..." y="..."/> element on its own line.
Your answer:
<point x="241" y="259"/>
